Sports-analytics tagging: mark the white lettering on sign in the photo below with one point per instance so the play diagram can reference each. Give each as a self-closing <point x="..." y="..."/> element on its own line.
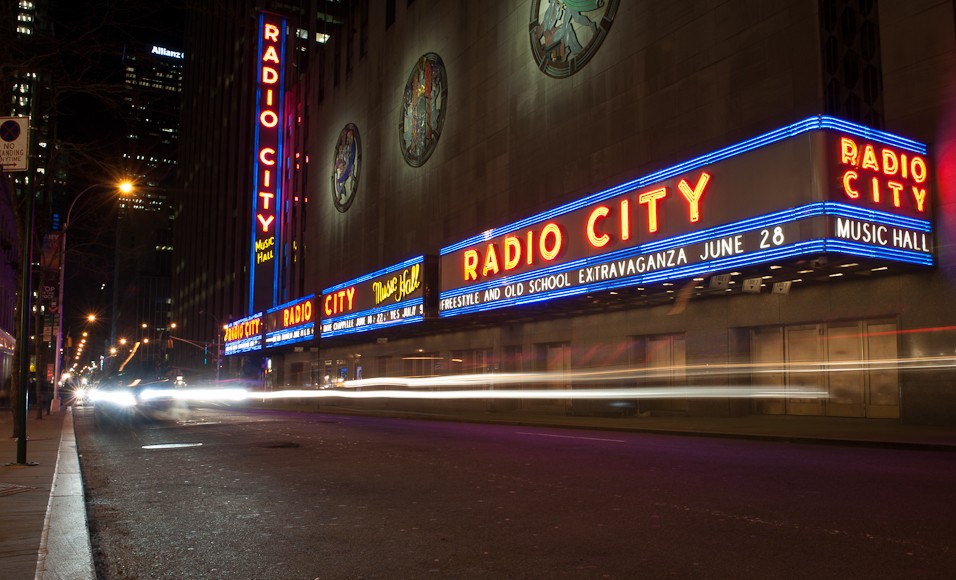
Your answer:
<point x="166" y="52"/>
<point x="882" y="235"/>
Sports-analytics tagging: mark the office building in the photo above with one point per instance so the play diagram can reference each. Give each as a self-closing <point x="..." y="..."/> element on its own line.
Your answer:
<point x="144" y="246"/>
<point x="744" y="211"/>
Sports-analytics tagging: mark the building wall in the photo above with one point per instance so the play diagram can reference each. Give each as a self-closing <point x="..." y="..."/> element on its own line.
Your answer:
<point x="671" y="81"/>
<point x="211" y="204"/>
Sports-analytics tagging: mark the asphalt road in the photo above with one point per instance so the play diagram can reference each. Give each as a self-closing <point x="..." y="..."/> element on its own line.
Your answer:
<point x="294" y="495"/>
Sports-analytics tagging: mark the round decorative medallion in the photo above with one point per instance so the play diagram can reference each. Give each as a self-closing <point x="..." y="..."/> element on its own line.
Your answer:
<point x="423" y="109"/>
<point x="346" y="167"/>
<point x="566" y="34"/>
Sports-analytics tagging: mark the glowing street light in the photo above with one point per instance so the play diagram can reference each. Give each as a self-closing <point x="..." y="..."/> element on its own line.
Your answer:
<point x="125" y="187"/>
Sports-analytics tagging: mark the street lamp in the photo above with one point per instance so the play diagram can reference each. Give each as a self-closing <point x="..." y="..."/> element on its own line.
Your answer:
<point x="125" y="187"/>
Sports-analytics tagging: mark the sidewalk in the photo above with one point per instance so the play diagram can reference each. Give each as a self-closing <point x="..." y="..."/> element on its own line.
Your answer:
<point x="43" y="528"/>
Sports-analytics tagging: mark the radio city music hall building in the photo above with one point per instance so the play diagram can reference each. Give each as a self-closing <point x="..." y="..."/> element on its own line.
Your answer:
<point x="712" y="195"/>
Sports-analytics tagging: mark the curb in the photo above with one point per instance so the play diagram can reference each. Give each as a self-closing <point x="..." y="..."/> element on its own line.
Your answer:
<point x="65" y="549"/>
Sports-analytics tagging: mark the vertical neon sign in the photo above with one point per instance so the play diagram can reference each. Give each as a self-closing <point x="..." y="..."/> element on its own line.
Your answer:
<point x="267" y="195"/>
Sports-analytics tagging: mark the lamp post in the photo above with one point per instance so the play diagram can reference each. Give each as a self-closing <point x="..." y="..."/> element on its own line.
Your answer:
<point x="23" y="332"/>
<point x="125" y="187"/>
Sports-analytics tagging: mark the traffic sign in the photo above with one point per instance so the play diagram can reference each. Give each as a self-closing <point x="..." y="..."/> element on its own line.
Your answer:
<point x="15" y="143"/>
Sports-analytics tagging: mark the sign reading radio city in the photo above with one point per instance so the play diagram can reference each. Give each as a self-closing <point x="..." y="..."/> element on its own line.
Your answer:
<point x="815" y="187"/>
<point x="290" y="322"/>
<point x="388" y="297"/>
<point x="244" y="335"/>
<point x="267" y="194"/>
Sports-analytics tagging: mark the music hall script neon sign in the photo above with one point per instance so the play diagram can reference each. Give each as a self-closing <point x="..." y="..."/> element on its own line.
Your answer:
<point x="267" y="195"/>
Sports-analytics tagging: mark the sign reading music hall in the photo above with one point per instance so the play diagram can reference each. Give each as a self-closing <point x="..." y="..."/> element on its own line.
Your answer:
<point x="391" y="296"/>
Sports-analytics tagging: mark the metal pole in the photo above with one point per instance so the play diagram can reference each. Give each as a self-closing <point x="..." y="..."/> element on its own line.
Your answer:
<point x="55" y="406"/>
<point x="23" y="336"/>
<point x="57" y="354"/>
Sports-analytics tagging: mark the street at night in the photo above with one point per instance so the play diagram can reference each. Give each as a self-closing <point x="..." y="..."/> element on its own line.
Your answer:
<point x="272" y="494"/>
<point x="508" y="289"/>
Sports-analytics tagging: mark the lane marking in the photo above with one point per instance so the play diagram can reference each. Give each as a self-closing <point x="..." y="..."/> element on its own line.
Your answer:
<point x="571" y="437"/>
<point x="171" y="445"/>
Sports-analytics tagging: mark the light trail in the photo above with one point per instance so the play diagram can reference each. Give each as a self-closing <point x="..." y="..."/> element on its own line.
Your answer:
<point x="238" y="395"/>
<point x="541" y="386"/>
<point x="622" y="393"/>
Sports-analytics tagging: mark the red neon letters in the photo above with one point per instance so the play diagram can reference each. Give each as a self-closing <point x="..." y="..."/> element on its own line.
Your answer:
<point x="335" y="303"/>
<point x="243" y="330"/>
<point x="879" y="171"/>
<point x="268" y="137"/>
<point x="297" y="314"/>
<point x="603" y="225"/>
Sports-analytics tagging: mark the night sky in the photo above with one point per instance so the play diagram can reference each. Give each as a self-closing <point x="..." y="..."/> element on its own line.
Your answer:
<point x="92" y="36"/>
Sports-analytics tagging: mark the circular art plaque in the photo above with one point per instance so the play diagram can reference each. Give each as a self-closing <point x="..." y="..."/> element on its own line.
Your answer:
<point x="346" y="167"/>
<point x="566" y="34"/>
<point x="423" y="109"/>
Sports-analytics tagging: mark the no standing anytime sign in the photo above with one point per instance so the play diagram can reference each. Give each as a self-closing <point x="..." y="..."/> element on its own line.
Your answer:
<point x="14" y="143"/>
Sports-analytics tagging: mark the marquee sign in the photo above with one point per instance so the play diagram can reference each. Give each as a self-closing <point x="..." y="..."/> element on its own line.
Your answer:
<point x="267" y="194"/>
<point x="388" y="297"/>
<point x="814" y="187"/>
<point x="291" y="322"/>
<point x="244" y="335"/>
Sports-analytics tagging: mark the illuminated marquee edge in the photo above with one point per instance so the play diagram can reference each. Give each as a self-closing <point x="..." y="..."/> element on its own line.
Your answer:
<point x="269" y="336"/>
<point x="382" y="314"/>
<point x="248" y="344"/>
<point x="383" y="310"/>
<point x="376" y="274"/>
<point x="821" y="208"/>
<point x="807" y="125"/>
<point x="790" y="250"/>
<point x="307" y="333"/>
<point x="399" y="322"/>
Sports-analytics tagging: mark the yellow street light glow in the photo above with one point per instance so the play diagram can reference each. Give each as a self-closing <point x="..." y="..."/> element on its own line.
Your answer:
<point x="122" y="341"/>
<point x="126" y="187"/>
<point x="91" y="317"/>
